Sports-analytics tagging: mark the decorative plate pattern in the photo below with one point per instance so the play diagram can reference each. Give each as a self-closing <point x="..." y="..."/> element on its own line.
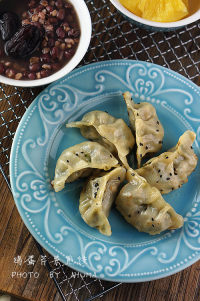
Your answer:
<point x="54" y="219"/>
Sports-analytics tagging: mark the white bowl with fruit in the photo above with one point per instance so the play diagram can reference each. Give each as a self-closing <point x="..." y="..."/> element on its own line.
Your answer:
<point x="159" y="15"/>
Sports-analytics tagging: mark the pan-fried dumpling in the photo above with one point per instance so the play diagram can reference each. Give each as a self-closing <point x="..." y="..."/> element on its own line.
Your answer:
<point x="143" y="206"/>
<point x="148" y="129"/>
<point x="97" y="197"/>
<point x="79" y="160"/>
<point x="107" y="130"/>
<point x="171" y="169"/>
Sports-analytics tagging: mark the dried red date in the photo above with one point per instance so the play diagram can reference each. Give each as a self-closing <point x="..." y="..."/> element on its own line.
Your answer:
<point x="9" y="24"/>
<point x="24" y="42"/>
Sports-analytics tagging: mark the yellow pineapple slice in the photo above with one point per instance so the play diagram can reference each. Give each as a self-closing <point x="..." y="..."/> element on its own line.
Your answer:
<point x="163" y="10"/>
<point x="132" y="6"/>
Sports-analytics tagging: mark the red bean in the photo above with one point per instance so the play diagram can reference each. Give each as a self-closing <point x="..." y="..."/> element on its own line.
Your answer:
<point x="55" y="67"/>
<point x="60" y="56"/>
<point x="45" y="73"/>
<point x="54" y="53"/>
<point x="67" y="54"/>
<point x="49" y="8"/>
<point x="31" y="3"/>
<point x="53" y="20"/>
<point x="45" y="58"/>
<point x="34" y="67"/>
<point x="59" y="3"/>
<point x="2" y="69"/>
<point x="51" y="42"/>
<point x="61" y="14"/>
<point x="10" y="73"/>
<point x="60" y="32"/>
<point x="31" y="76"/>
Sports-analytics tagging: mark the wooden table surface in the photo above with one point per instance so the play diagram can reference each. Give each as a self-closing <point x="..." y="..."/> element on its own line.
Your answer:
<point x="33" y="282"/>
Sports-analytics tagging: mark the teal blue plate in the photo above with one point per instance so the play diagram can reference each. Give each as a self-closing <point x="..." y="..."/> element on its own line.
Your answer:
<point x="53" y="218"/>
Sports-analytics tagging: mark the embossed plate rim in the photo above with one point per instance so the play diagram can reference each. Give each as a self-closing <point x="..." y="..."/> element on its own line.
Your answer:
<point x="141" y="276"/>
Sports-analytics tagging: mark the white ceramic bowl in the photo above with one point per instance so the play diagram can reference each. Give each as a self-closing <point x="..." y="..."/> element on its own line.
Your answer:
<point x="85" y="37"/>
<point x="155" y="26"/>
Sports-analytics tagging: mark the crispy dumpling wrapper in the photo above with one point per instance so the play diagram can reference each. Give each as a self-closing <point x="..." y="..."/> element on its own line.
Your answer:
<point x="143" y="206"/>
<point x="171" y="169"/>
<point x="107" y="130"/>
<point x="79" y="160"/>
<point x="97" y="198"/>
<point x="146" y="125"/>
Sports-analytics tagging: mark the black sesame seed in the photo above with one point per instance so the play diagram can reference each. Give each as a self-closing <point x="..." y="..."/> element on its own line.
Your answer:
<point x="175" y="173"/>
<point x="160" y="142"/>
<point x="170" y="174"/>
<point x="138" y="212"/>
<point x="161" y="190"/>
<point x="157" y="182"/>
<point x="152" y="219"/>
<point x="138" y="103"/>
<point x="119" y="178"/>
<point x="137" y="114"/>
<point x="158" y="170"/>
<point x="106" y="112"/>
<point x="157" y="130"/>
<point x="67" y="161"/>
<point x="77" y="155"/>
<point x="167" y="179"/>
<point x="158" y="122"/>
<point x="111" y="156"/>
<point x="133" y="174"/>
<point x="153" y="225"/>
<point x="141" y="144"/>
<point x="95" y="194"/>
<point x="146" y="147"/>
<point x="166" y="157"/>
<point x="191" y="147"/>
<point x="129" y="215"/>
<point x="140" y="155"/>
<point x="96" y="184"/>
<point x="172" y="188"/>
<point x="82" y="152"/>
<point x="160" y="176"/>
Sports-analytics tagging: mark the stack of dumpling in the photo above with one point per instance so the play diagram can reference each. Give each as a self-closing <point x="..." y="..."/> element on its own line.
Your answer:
<point x="104" y="160"/>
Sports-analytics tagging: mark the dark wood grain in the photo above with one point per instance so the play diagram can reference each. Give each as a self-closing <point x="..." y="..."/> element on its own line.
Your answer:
<point x="16" y="240"/>
<point x="121" y="40"/>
